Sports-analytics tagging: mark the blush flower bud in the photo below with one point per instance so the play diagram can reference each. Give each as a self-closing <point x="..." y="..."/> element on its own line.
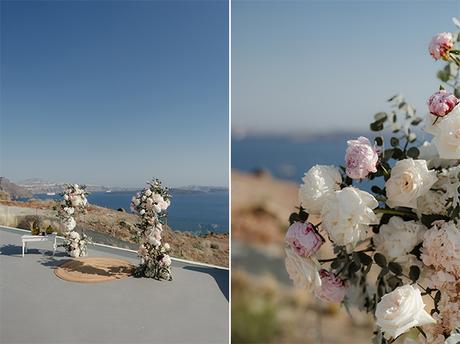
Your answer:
<point x="441" y="103"/>
<point x="332" y="287"/>
<point x="440" y="45"/>
<point x="303" y="239"/>
<point x="361" y="158"/>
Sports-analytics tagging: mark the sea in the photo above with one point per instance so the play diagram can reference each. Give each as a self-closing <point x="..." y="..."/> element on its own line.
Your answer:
<point x="197" y="212"/>
<point x="289" y="159"/>
<point x="286" y="158"/>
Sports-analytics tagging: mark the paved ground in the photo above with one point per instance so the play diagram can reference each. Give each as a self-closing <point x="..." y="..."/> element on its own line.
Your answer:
<point x="38" y="307"/>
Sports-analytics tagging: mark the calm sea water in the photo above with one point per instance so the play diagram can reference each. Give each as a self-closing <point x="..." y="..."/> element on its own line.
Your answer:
<point x="284" y="158"/>
<point x="199" y="213"/>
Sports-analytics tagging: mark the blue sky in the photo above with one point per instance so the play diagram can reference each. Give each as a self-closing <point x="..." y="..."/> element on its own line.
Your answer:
<point x="115" y="92"/>
<point x="330" y="65"/>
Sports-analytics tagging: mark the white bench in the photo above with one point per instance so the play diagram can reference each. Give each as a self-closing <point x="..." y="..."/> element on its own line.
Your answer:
<point x="38" y="238"/>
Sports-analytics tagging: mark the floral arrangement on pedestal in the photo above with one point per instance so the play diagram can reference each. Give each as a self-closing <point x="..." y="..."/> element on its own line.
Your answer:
<point x="397" y="246"/>
<point x="151" y="205"/>
<point x="74" y="201"/>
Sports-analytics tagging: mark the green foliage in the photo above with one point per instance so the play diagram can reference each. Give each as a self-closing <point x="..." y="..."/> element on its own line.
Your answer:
<point x="414" y="273"/>
<point x="380" y="260"/>
<point x="251" y="324"/>
<point x="395" y="268"/>
<point x="49" y="230"/>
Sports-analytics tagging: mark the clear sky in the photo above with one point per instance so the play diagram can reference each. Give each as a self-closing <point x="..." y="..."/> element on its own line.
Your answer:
<point x="115" y="92"/>
<point x="330" y="65"/>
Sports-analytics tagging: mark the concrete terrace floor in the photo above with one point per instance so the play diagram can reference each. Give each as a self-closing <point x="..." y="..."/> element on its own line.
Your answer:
<point x="38" y="307"/>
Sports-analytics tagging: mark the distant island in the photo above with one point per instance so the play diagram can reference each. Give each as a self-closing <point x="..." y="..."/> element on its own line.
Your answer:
<point x="27" y="188"/>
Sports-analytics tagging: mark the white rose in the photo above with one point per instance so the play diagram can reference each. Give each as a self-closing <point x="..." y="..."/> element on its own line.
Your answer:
<point x="157" y="208"/>
<point x="433" y="202"/>
<point x="157" y="198"/>
<point x="148" y="192"/>
<point x="76" y="201"/>
<point x="69" y="210"/>
<point x="149" y="201"/>
<point x="347" y="214"/>
<point x="142" y="212"/>
<point x="446" y="131"/>
<point x="156" y="233"/>
<point x="69" y="224"/>
<point x="400" y="310"/>
<point x="409" y="180"/>
<point x="76" y="186"/>
<point x="136" y="202"/>
<point x="429" y="152"/>
<point x="398" y="238"/>
<point x="66" y="197"/>
<point x="167" y="247"/>
<point x="74" y="236"/>
<point x="163" y="205"/>
<point x="319" y="182"/>
<point x="166" y="260"/>
<point x="302" y="271"/>
<point x="153" y="241"/>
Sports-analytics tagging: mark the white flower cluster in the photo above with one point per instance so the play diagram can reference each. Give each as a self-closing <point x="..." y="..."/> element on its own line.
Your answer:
<point x="74" y="200"/>
<point x="151" y="205"/>
<point x="77" y="244"/>
<point x="408" y="228"/>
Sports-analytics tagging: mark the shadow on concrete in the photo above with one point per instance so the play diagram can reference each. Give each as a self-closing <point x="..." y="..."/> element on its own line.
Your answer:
<point x="16" y="250"/>
<point x="11" y="250"/>
<point x="221" y="276"/>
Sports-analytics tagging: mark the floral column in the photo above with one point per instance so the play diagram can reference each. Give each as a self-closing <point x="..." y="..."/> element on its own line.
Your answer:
<point x="74" y="200"/>
<point x="151" y="204"/>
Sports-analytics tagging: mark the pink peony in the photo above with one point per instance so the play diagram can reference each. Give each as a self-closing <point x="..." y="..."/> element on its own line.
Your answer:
<point x="441" y="103"/>
<point x="165" y="261"/>
<point x="440" y="45"/>
<point x="332" y="287"/>
<point x="361" y="158"/>
<point x="303" y="239"/>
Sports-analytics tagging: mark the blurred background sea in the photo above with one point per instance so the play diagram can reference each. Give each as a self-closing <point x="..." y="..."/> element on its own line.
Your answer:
<point x="196" y="212"/>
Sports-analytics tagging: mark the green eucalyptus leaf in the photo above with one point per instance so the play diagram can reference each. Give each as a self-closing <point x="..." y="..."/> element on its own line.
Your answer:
<point x="413" y="152"/>
<point x="379" y="141"/>
<point x="398" y="154"/>
<point x="437" y="298"/>
<point x="395" y="268"/>
<point x="376" y="126"/>
<point x="380" y="117"/>
<point x="457" y="92"/>
<point x="394" y="282"/>
<point x="416" y="121"/>
<point x="443" y="76"/>
<point x="380" y="260"/>
<point x="394" y="141"/>
<point x="377" y="190"/>
<point x="335" y="264"/>
<point x="414" y="273"/>
<point x="364" y="258"/>
<point x="354" y="267"/>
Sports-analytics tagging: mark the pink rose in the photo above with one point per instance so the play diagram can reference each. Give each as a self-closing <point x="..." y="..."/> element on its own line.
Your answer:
<point x="441" y="103"/>
<point x="440" y="45"/>
<point x="303" y="239"/>
<point x="332" y="287"/>
<point x="165" y="261"/>
<point x="361" y="158"/>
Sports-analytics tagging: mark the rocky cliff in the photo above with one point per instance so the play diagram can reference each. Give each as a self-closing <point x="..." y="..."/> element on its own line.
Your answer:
<point x="15" y="191"/>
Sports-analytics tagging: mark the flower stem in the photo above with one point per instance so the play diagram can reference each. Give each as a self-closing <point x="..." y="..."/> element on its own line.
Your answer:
<point x="394" y="212"/>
